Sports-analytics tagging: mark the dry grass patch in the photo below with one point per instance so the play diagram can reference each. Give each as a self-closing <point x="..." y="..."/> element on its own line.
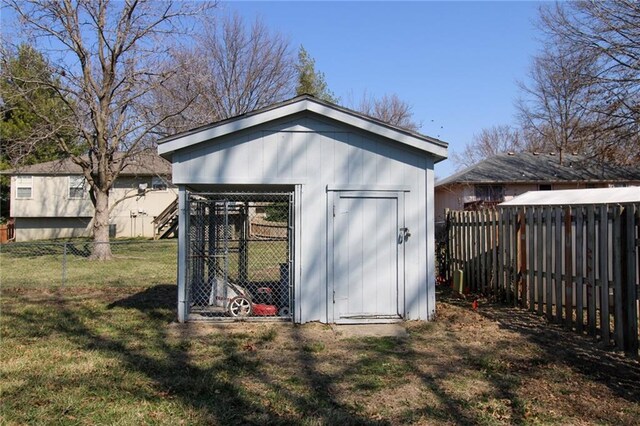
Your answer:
<point x="115" y="355"/>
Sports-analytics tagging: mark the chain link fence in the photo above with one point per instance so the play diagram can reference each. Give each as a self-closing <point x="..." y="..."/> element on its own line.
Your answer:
<point x="135" y="263"/>
<point x="239" y="255"/>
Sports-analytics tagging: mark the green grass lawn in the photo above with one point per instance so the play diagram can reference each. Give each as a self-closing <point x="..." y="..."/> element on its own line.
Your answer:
<point x="42" y="265"/>
<point x="105" y="349"/>
<point x="135" y="263"/>
<point x="98" y="354"/>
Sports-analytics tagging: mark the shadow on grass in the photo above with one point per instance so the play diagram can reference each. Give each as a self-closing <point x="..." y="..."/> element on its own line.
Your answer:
<point x="143" y="344"/>
<point x="582" y="354"/>
<point x="224" y="379"/>
<point x="152" y="298"/>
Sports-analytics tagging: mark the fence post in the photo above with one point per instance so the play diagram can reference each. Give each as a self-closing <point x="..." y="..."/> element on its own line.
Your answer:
<point x="579" y="269"/>
<point x="603" y="255"/>
<point x="483" y="250"/>
<point x="64" y="264"/>
<point x="500" y="254"/>
<point x="531" y="260"/>
<point x="548" y="291"/>
<point x="447" y="246"/>
<point x="540" y="260"/>
<point x="477" y="251"/>
<point x="558" y="265"/>
<point x="522" y="254"/>
<point x="630" y="312"/>
<point x="568" y="269"/>
<point x="508" y="261"/>
<point x="473" y="241"/>
<point x="618" y="260"/>
<point x="591" y="270"/>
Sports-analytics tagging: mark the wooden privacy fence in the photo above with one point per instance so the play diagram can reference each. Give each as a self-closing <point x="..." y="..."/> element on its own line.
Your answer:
<point x="578" y="265"/>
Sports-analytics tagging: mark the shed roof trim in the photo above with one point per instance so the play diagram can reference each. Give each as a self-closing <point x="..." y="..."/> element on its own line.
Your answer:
<point x="436" y="147"/>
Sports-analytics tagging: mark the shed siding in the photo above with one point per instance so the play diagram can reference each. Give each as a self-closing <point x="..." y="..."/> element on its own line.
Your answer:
<point x="313" y="153"/>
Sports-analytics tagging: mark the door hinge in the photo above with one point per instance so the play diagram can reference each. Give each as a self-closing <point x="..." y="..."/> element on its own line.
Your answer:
<point x="334" y="210"/>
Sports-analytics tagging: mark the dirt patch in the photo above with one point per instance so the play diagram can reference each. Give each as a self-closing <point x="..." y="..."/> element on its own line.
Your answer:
<point x="493" y="365"/>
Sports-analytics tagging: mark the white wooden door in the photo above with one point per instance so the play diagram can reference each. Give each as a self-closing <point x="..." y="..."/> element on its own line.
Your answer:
<point x="366" y="252"/>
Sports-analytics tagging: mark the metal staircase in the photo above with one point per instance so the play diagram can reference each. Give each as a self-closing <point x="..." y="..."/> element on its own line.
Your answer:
<point x="165" y="225"/>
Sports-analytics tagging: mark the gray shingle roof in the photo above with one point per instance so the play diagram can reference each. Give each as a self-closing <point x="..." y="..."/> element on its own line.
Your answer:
<point x="527" y="167"/>
<point x="146" y="163"/>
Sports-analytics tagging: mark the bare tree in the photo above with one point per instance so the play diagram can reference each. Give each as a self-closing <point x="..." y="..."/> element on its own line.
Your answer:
<point x="232" y="70"/>
<point x="609" y="34"/>
<point x="108" y="57"/>
<point x="489" y="142"/>
<point x="555" y="107"/>
<point x="390" y="109"/>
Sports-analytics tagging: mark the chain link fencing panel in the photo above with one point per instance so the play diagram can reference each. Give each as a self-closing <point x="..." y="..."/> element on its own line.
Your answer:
<point x="136" y="263"/>
<point x="239" y="255"/>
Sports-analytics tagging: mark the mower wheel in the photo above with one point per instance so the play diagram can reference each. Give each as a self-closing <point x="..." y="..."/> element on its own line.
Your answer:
<point x="240" y="307"/>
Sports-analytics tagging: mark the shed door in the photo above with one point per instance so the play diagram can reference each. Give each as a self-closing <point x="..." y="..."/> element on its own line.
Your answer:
<point x="366" y="251"/>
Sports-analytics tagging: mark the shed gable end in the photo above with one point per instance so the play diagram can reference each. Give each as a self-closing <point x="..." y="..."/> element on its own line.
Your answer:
<point x="298" y="151"/>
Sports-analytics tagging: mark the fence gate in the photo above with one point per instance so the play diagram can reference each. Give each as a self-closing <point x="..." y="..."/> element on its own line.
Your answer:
<point x="240" y="255"/>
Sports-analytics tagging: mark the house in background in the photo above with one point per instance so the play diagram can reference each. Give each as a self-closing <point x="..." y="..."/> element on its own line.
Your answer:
<point x="505" y="176"/>
<point x="51" y="200"/>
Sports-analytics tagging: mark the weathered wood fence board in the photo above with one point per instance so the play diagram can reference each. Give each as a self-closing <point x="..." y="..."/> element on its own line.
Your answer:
<point x="579" y="266"/>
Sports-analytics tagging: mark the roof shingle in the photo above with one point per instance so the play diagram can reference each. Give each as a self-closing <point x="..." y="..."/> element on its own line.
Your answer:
<point x="527" y="167"/>
<point x="145" y="163"/>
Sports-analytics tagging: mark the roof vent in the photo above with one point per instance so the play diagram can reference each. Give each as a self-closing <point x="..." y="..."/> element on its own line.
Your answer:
<point x="536" y="153"/>
<point x="511" y="153"/>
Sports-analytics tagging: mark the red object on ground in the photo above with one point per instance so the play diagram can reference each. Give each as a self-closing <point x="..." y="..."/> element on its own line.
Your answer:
<point x="264" y="310"/>
<point x="474" y="305"/>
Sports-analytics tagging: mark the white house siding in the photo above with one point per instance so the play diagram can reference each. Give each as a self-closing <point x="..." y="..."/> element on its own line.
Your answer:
<point x="49" y="198"/>
<point x="454" y="196"/>
<point x="314" y="154"/>
<point x="50" y="213"/>
<point x="29" y="229"/>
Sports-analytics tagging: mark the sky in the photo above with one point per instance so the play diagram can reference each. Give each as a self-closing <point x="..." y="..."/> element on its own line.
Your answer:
<point x="455" y="63"/>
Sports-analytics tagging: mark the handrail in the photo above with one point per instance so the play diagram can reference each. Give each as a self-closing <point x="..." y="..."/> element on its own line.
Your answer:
<point x="167" y="213"/>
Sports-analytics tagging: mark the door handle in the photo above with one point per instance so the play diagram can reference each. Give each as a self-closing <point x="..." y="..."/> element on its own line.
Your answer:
<point x="404" y="235"/>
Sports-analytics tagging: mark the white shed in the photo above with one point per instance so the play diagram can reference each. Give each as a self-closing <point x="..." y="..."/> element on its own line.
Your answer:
<point x="307" y="211"/>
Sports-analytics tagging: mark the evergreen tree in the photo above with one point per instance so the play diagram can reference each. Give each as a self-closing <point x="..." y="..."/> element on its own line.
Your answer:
<point x="33" y="118"/>
<point x="311" y="81"/>
<point x="30" y="109"/>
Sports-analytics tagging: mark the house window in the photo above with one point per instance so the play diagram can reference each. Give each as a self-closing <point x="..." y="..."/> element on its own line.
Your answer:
<point x="493" y="193"/>
<point x="544" y="187"/>
<point x="24" y="187"/>
<point x="76" y="187"/>
<point x="158" y="184"/>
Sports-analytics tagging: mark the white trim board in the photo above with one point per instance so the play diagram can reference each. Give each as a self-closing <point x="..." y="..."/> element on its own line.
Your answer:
<point x="168" y="146"/>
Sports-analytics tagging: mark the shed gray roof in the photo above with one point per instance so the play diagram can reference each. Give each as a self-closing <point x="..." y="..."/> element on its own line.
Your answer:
<point x="525" y="167"/>
<point x="145" y="163"/>
<point x="434" y="146"/>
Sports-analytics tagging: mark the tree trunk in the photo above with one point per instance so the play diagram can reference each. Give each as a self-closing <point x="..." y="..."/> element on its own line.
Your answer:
<point x="101" y="246"/>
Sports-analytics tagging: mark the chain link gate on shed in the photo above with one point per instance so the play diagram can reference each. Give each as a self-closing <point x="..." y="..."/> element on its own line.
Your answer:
<point x="240" y="255"/>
